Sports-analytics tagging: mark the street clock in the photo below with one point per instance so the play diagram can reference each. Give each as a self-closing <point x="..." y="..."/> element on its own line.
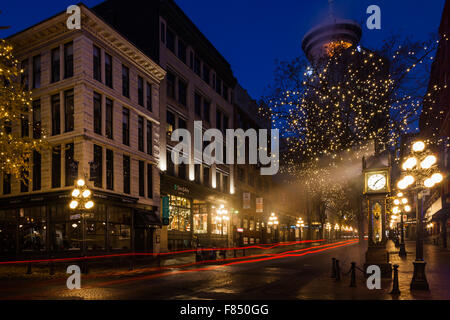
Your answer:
<point x="376" y="181"/>
<point x="376" y="172"/>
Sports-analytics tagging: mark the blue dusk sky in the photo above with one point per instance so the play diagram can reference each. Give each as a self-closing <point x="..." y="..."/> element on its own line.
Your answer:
<point x="252" y="34"/>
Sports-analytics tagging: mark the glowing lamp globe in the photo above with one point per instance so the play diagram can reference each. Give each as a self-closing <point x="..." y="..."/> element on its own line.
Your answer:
<point x="437" y="178"/>
<point x="418" y="146"/>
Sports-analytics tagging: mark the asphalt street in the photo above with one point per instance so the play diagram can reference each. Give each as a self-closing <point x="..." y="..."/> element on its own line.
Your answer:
<point x="272" y="276"/>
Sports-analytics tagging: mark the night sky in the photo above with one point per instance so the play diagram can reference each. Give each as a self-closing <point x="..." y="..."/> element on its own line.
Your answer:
<point x="252" y="34"/>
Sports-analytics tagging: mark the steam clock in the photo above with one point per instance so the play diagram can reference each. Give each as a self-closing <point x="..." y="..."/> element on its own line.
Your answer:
<point x="376" y="171"/>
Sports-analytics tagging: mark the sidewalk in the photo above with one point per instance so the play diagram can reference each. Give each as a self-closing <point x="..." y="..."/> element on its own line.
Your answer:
<point x="437" y="272"/>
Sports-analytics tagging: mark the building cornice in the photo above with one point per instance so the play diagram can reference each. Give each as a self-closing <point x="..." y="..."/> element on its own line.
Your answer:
<point x="47" y="31"/>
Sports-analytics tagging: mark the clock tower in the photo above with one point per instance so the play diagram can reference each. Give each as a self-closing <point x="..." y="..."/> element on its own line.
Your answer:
<point x="377" y="186"/>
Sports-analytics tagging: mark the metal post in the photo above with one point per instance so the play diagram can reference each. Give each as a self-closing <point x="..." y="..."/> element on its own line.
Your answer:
<point x="395" y="287"/>
<point x="333" y="268"/>
<point x="338" y="271"/>
<point x="353" y="276"/>
<point x="402" y="252"/>
<point x="29" y="269"/>
<point x="419" y="280"/>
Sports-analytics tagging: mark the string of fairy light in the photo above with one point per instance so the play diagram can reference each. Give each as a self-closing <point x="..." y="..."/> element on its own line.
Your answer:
<point x="348" y="100"/>
<point x="16" y="149"/>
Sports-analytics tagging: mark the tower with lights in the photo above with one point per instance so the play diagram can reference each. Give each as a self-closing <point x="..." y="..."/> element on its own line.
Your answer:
<point x="322" y="40"/>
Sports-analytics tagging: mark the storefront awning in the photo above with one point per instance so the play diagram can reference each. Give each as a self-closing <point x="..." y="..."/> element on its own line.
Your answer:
<point x="144" y="218"/>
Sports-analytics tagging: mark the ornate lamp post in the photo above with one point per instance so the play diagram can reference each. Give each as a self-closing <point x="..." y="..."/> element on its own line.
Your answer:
<point x="420" y="174"/>
<point x="81" y="200"/>
<point x="401" y="206"/>
<point x="300" y="224"/>
<point x="273" y="223"/>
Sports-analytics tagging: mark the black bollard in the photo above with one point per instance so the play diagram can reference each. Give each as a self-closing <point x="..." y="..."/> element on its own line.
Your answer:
<point x="29" y="269"/>
<point x="130" y="265"/>
<point x="395" y="285"/>
<point x="353" y="276"/>
<point x="52" y="268"/>
<point x="333" y="268"/>
<point x="224" y="254"/>
<point x="243" y="252"/>
<point x="158" y="258"/>
<point x="85" y="267"/>
<point x="338" y="271"/>
<point x="235" y="253"/>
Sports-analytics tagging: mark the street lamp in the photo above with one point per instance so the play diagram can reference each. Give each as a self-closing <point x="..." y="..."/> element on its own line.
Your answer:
<point x="222" y="218"/>
<point x="300" y="224"/>
<point x="273" y="222"/>
<point x="401" y="206"/>
<point x="81" y="200"/>
<point x="420" y="174"/>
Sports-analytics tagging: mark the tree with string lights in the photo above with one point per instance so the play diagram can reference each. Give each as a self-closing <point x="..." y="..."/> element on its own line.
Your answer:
<point x="16" y="144"/>
<point x="330" y="109"/>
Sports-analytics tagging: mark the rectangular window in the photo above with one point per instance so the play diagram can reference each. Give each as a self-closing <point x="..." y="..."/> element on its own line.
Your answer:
<point x="36" y="72"/>
<point x="126" y="126"/>
<point x="24" y="77"/>
<point x="206" y="111"/>
<point x="97" y="113"/>
<point x="206" y="73"/>
<point x="170" y="122"/>
<point x="68" y="60"/>
<point x="140" y="133"/>
<point x="197" y="173"/>
<point x="197" y="66"/>
<point x="55" y="65"/>
<point x="182" y="92"/>
<point x="69" y="110"/>
<point x="109" y="118"/>
<point x="24" y="182"/>
<point x="218" y="184"/>
<point x="182" y="50"/>
<point x="149" y="138"/>
<point x="25" y="130"/>
<point x="126" y="174"/>
<point x="140" y="91"/>
<point x="56" y="116"/>
<point x="6" y="183"/>
<point x="36" y="171"/>
<point x="97" y="167"/>
<point x="170" y="40"/>
<point x="125" y="81"/>
<point x="141" y="179"/>
<point x="109" y="169"/>
<point x="206" y="176"/>
<point x="225" y="183"/>
<point x="182" y="124"/>
<point x="219" y="120"/>
<point x="71" y="167"/>
<point x="170" y="83"/>
<point x="225" y="122"/>
<point x="198" y="104"/>
<point x="149" y="181"/>
<point x="218" y="86"/>
<point x="36" y="119"/>
<point x="149" y="97"/>
<point x="170" y="165"/>
<point x="182" y="171"/>
<point x="108" y="71"/>
<point x="56" y="167"/>
<point x="97" y="60"/>
<point x="225" y="92"/>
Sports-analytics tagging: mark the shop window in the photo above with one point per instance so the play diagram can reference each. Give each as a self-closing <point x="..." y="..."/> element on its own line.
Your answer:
<point x="8" y="225"/>
<point x="200" y="216"/>
<point x="125" y="81"/>
<point x="180" y="214"/>
<point x="119" y="228"/>
<point x="32" y="229"/>
<point x="56" y="167"/>
<point x="219" y="220"/>
<point x="97" y="62"/>
<point x="56" y="116"/>
<point x="252" y="225"/>
<point x="69" y="110"/>
<point x="108" y="71"/>
<point x="245" y="224"/>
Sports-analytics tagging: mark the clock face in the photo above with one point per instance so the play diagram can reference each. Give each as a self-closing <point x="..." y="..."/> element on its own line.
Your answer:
<point x="376" y="181"/>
